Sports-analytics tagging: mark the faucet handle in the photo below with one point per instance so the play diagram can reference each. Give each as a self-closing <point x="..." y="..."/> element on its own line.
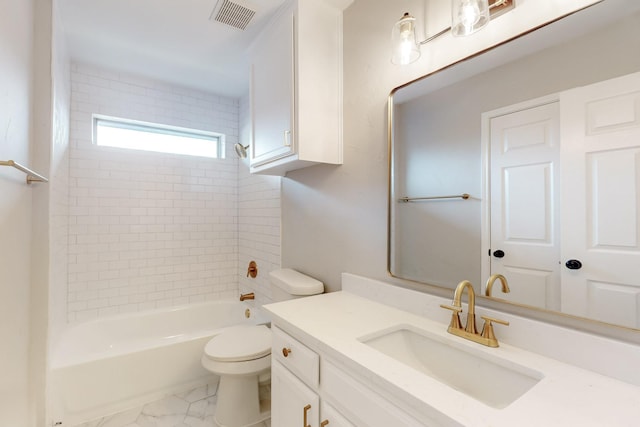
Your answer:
<point x="487" y="329"/>
<point x="493" y="319"/>
<point x="455" y="318"/>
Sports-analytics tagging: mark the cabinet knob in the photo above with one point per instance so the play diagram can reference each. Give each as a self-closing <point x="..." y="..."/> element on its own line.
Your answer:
<point x="286" y="351"/>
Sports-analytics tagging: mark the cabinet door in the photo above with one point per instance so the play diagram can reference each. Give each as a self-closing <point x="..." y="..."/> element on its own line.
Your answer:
<point x="362" y="405"/>
<point x="293" y="404"/>
<point x="272" y="97"/>
<point x="331" y="417"/>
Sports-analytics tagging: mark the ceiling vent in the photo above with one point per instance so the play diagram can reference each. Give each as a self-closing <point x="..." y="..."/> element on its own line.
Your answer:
<point x="233" y="14"/>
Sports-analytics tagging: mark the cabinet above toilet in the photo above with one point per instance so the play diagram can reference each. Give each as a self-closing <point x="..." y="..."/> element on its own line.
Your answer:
<point x="296" y="88"/>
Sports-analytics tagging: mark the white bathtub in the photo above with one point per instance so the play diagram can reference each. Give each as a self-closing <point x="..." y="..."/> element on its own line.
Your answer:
<point x="105" y="366"/>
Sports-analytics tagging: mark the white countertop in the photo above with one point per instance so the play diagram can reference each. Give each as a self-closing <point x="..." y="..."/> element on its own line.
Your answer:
<point x="567" y="396"/>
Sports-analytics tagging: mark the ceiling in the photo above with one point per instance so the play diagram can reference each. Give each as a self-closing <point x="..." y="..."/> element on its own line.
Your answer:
<point x="168" y="40"/>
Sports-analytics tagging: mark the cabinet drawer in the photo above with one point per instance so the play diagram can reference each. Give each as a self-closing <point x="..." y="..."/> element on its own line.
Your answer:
<point x="299" y="359"/>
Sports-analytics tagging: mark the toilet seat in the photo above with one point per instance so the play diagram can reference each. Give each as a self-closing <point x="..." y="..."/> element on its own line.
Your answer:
<point x="241" y="350"/>
<point x="240" y="344"/>
<point x="241" y="357"/>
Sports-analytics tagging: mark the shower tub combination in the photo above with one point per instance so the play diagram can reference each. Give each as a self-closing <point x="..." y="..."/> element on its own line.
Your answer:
<point x="106" y="366"/>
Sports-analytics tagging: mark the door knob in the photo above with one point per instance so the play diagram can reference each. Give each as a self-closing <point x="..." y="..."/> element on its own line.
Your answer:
<point x="573" y="264"/>
<point x="498" y="253"/>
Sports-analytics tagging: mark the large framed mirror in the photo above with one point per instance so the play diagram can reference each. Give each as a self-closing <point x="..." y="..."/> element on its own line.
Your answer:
<point x="524" y="160"/>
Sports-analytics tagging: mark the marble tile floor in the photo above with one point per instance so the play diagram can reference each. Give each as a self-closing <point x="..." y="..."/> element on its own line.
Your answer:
<point x="194" y="408"/>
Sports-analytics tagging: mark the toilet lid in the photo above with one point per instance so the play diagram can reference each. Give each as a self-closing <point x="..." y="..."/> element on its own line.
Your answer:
<point x="240" y="344"/>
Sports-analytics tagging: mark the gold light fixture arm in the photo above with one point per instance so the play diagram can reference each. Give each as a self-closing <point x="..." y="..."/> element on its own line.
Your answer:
<point x="496" y="7"/>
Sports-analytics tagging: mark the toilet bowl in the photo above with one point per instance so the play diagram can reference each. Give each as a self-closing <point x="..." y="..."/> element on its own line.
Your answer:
<point x="241" y="356"/>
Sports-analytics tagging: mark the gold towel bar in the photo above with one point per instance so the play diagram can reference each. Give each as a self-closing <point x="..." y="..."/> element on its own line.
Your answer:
<point x="31" y="175"/>
<point x="464" y="196"/>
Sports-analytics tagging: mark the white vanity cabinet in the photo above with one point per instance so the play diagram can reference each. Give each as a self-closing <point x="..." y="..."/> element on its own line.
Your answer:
<point x="296" y="88"/>
<point x="294" y="404"/>
<point x="295" y="400"/>
<point x="307" y="389"/>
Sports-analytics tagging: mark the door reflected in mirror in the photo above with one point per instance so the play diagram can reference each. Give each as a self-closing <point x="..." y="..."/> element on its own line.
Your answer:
<point x="543" y="133"/>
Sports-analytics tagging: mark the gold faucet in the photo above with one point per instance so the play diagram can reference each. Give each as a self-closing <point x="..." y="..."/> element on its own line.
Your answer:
<point x="250" y="295"/>
<point x="491" y="281"/>
<point x="457" y="302"/>
<point x="486" y="337"/>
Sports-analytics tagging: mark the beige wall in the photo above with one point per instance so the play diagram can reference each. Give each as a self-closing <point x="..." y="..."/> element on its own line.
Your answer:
<point x="25" y="136"/>
<point x="40" y="160"/>
<point x="16" y="100"/>
<point x="334" y="217"/>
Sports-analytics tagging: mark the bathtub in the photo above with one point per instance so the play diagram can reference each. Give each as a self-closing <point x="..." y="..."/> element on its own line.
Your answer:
<point x="109" y="365"/>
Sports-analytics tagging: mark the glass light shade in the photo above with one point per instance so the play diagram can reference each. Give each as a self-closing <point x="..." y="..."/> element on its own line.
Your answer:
<point x="468" y="16"/>
<point x="405" y="49"/>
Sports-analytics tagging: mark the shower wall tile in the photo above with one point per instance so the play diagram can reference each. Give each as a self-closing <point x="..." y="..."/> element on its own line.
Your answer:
<point x="59" y="189"/>
<point x="148" y="230"/>
<point x="258" y="220"/>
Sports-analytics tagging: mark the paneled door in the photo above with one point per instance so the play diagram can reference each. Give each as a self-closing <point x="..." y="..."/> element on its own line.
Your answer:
<point x="601" y="200"/>
<point x="524" y="157"/>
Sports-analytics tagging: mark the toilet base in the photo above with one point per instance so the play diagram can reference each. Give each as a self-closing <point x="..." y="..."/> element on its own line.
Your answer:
<point x="239" y="403"/>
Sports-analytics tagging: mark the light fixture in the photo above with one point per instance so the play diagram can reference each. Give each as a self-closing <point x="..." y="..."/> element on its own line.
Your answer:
<point x="403" y="40"/>
<point x="467" y="17"/>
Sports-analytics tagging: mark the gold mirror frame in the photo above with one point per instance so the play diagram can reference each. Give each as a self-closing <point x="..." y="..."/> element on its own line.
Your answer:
<point x="531" y="311"/>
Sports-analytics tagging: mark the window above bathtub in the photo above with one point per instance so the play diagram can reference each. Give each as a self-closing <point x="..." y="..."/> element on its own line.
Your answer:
<point x="145" y="136"/>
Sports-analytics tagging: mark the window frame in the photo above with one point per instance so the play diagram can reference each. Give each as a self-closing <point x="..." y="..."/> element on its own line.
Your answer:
<point x="162" y="129"/>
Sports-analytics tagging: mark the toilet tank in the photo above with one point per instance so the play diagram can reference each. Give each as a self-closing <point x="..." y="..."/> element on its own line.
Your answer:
<point x="287" y="283"/>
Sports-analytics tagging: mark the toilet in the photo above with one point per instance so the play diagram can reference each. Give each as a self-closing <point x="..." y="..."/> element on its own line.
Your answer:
<point x="241" y="356"/>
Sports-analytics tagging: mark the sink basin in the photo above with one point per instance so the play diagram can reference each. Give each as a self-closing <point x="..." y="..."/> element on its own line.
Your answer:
<point x="493" y="381"/>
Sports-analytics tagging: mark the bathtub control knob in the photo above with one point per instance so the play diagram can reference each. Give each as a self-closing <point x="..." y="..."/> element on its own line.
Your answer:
<point x="252" y="270"/>
<point x="286" y="351"/>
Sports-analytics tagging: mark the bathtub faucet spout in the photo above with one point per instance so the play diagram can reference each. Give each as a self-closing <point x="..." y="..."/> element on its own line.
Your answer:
<point x="250" y="295"/>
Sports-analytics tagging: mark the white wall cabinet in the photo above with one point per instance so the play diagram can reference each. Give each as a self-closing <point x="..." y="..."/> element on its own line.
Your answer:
<point x="309" y="390"/>
<point x="296" y="88"/>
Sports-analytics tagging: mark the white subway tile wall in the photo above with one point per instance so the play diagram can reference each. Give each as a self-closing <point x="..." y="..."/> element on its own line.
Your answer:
<point x="59" y="191"/>
<point x="148" y="230"/>
<point x="258" y="220"/>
